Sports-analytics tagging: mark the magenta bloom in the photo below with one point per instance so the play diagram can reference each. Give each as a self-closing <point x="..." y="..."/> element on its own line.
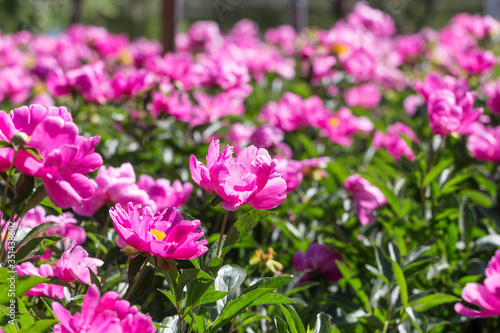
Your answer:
<point x="45" y="270"/>
<point x="318" y="260"/>
<point x="115" y="185"/>
<point x="102" y="315"/>
<point x="65" y="155"/>
<point x="248" y="178"/>
<point x="92" y="82"/>
<point x="366" y="196"/>
<point x="343" y="125"/>
<point x="74" y="265"/>
<point x="163" y="193"/>
<point x="394" y="143"/>
<point x="374" y="20"/>
<point x="448" y="113"/>
<point x="165" y="234"/>
<point x="65" y="227"/>
<point x="411" y="103"/>
<point x="484" y="144"/>
<point x="476" y="61"/>
<point x="486" y="295"/>
<point x="365" y="95"/>
<point x="435" y="81"/>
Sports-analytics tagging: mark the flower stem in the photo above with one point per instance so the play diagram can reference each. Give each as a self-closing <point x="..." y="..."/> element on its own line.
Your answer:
<point x="138" y="277"/>
<point x="4" y="198"/>
<point x="222" y="233"/>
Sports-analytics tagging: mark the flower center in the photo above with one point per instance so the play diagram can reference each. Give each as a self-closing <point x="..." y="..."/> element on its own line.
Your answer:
<point x="334" y="121"/>
<point x="158" y="234"/>
<point x="340" y="49"/>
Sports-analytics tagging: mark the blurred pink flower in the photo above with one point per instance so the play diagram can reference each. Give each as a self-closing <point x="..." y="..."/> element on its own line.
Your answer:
<point x="366" y="197"/>
<point x="102" y="315"/>
<point x="485" y="296"/>
<point x="91" y="81"/>
<point x="374" y="20"/>
<point x="284" y="36"/>
<point x="484" y="144"/>
<point x="115" y="185"/>
<point x="74" y="265"/>
<point x="341" y="126"/>
<point x="163" y="193"/>
<point x="165" y="234"/>
<point x="394" y="143"/>
<point x="248" y="178"/>
<point x="65" y="227"/>
<point x="64" y="156"/>
<point x="411" y="103"/>
<point x="365" y="95"/>
<point x="318" y="260"/>
<point x="450" y="114"/>
<point x="46" y="289"/>
<point x="476" y="61"/>
<point x="434" y="81"/>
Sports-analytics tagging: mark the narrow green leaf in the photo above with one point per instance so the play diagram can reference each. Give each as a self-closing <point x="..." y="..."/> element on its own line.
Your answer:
<point x="437" y="170"/>
<point x="323" y="323"/>
<point x="355" y="283"/>
<point x="427" y="302"/>
<point x="272" y="298"/>
<point x="281" y="325"/>
<point x="293" y="319"/>
<point x="401" y="281"/>
<point x="95" y="280"/>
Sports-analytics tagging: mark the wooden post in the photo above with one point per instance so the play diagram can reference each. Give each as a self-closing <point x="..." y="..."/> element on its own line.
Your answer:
<point x="170" y="15"/>
<point x="299" y="14"/>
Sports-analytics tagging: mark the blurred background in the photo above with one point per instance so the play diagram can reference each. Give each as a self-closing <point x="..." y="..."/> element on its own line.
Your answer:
<point x="144" y="18"/>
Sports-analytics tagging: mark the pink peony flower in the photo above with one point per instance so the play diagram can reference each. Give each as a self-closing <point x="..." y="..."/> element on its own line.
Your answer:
<point x="343" y="125"/>
<point x="394" y="143"/>
<point x="435" y="81"/>
<point x="165" y="234"/>
<point x="374" y="20"/>
<point x="64" y="156"/>
<point x="318" y="260"/>
<point x="293" y="171"/>
<point x="65" y="227"/>
<point x="248" y="178"/>
<point x="365" y="95"/>
<point x="486" y="295"/>
<point x="284" y="36"/>
<point x="449" y="114"/>
<point x="484" y="144"/>
<point x="411" y="103"/>
<point x="91" y="81"/>
<point x="163" y="193"/>
<point x="45" y="270"/>
<point x="115" y="185"/>
<point x="74" y="265"/>
<point x="476" y="61"/>
<point x="101" y="315"/>
<point x="366" y="196"/>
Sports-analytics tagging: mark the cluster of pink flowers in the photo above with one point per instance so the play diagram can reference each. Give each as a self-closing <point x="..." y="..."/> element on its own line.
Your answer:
<point x="367" y="198"/>
<point x="249" y="178"/>
<point x="62" y="156"/>
<point x="102" y="314"/>
<point x="119" y="185"/>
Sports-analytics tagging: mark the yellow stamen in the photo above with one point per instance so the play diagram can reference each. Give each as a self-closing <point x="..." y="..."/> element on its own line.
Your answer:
<point x="158" y="234"/>
<point x="334" y="121"/>
<point x="340" y="49"/>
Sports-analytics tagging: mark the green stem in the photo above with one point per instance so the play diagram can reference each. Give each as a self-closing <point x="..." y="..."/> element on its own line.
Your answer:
<point x="138" y="277"/>
<point x="222" y="233"/>
<point x="4" y="198"/>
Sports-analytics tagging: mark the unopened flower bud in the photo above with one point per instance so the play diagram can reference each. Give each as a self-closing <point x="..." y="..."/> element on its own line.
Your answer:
<point x="20" y="139"/>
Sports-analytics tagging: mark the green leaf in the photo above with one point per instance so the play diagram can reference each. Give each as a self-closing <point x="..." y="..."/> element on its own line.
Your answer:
<point x="145" y="284"/>
<point x="233" y="308"/>
<point x="355" y="283"/>
<point x="95" y="280"/>
<point x="169" y="295"/>
<point x="24" y="188"/>
<point x="229" y="278"/>
<point x="39" y="326"/>
<point x="242" y="227"/>
<point x="281" y="325"/>
<point x="437" y="170"/>
<point x="34" y="200"/>
<point x="384" y="267"/>
<point x="293" y="319"/>
<point x="33" y="247"/>
<point x="477" y="197"/>
<point x="37" y="230"/>
<point x="210" y="296"/>
<point x="419" y="321"/>
<point x="253" y="319"/>
<point x="272" y="298"/>
<point x="427" y="302"/>
<point x="23" y="285"/>
<point x="323" y="323"/>
<point x="275" y="282"/>
<point x="401" y="281"/>
<point x="466" y="222"/>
